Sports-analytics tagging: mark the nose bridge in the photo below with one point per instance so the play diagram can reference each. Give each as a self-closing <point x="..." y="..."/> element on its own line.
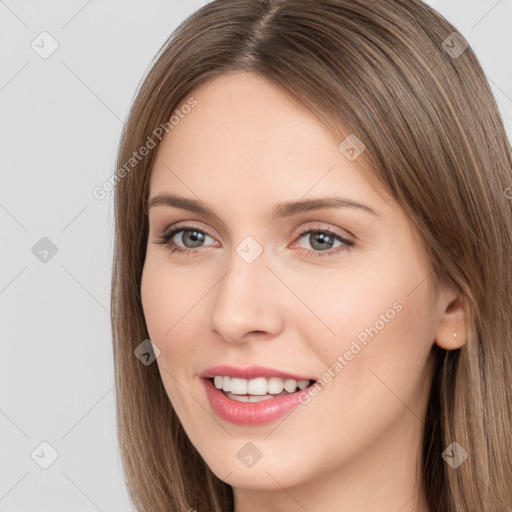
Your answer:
<point x="245" y="298"/>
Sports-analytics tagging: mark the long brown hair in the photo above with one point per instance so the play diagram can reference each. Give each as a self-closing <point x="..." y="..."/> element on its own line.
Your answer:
<point x="396" y="74"/>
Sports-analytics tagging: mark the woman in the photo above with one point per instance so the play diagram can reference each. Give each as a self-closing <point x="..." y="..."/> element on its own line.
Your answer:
<point x="312" y="278"/>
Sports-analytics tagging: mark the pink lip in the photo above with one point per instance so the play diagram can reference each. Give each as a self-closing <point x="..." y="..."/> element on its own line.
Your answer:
<point x="250" y="372"/>
<point x="250" y="413"/>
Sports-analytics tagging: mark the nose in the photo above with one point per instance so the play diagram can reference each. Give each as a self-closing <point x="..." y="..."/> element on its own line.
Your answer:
<point x="248" y="302"/>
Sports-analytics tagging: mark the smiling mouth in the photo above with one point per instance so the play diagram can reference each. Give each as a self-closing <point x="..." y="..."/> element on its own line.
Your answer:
<point x="258" y="389"/>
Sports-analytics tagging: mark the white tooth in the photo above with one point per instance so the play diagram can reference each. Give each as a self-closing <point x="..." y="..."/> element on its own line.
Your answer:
<point x="259" y="398"/>
<point x="303" y="384"/>
<point x="275" y="385"/>
<point x="238" y="398"/>
<point x="257" y="386"/>
<point x="290" y="385"/>
<point x="238" y="386"/>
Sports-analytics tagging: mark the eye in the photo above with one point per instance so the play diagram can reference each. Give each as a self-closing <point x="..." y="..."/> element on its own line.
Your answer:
<point x="190" y="236"/>
<point x="322" y="242"/>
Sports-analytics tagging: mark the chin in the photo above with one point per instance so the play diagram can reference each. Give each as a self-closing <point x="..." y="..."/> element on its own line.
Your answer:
<point x="274" y="473"/>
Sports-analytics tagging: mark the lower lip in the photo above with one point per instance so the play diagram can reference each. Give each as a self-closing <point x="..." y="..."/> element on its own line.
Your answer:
<point x="250" y="413"/>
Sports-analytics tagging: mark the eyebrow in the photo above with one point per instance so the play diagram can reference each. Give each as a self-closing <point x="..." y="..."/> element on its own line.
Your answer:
<point x="280" y="211"/>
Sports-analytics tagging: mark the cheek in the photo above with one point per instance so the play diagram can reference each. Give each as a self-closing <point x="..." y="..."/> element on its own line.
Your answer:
<point x="384" y="367"/>
<point x="165" y="299"/>
<point x="165" y="305"/>
<point x="372" y="328"/>
<point x="171" y="301"/>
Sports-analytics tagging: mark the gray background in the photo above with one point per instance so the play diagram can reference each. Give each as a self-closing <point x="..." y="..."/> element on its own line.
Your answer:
<point x="60" y="123"/>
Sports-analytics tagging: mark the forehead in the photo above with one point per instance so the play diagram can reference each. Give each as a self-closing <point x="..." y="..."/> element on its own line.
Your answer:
<point x="247" y="136"/>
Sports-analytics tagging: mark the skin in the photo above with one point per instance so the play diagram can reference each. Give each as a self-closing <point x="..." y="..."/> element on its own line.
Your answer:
<point x="244" y="148"/>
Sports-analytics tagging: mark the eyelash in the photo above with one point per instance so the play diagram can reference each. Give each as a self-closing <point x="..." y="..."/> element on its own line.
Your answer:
<point x="166" y="240"/>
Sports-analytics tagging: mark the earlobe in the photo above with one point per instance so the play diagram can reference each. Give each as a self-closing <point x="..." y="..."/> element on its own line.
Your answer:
<point x="452" y="325"/>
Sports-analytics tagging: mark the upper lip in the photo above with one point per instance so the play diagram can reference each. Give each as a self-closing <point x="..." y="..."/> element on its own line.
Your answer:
<point x="250" y="372"/>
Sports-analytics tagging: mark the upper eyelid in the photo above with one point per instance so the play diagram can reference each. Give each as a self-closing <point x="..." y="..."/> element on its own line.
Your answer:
<point x="224" y="229"/>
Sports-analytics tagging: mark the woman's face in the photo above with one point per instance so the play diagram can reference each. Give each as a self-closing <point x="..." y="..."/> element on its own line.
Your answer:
<point x="254" y="290"/>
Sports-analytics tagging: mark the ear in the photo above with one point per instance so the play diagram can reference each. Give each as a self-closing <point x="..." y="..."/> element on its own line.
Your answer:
<point x="451" y="330"/>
